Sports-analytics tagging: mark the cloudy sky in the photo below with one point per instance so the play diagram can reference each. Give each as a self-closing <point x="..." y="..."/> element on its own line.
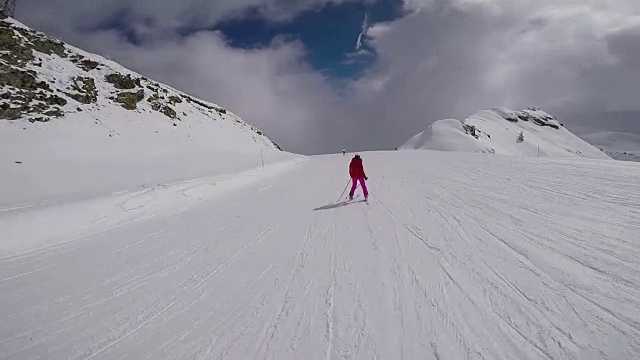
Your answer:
<point x="320" y="75"/>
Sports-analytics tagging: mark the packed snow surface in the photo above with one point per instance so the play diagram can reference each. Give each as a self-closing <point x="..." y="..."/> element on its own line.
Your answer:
<point x="74" y="156"/>
<point x="456" y="256"/>
<point x="497" y="131"/>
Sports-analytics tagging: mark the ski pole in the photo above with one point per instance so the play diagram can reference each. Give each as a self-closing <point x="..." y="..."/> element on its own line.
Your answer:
<point x="345" y="189"/>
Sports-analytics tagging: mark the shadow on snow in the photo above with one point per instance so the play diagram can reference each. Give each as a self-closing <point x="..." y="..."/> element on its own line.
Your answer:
<point x="337" y="205"/>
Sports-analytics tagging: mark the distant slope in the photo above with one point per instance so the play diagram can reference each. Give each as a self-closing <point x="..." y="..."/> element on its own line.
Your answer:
<point x="617" y="133"/>
<point x="619" y="145"/>
<point x="613" y="140"/>
<point x="73" y="122"/>
<point x="596" y="121"/>
<point x="497" y="131"/>
<point x="623" y="156"/>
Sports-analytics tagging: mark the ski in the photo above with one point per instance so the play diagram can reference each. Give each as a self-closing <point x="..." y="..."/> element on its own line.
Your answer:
<point x="355" y="197"/>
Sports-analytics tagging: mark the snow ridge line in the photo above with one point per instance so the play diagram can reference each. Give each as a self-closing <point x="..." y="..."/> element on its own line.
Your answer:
<point x="28" y="273"/>
<point x="65" y="246"/>
<point x="76" y="220"/>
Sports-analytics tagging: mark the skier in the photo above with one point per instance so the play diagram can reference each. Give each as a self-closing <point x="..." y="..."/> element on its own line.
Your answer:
<point x="344" y="152"/>
<point x="356" y="171"/>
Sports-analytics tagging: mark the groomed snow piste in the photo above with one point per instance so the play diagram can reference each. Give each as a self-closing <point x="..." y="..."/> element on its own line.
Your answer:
<point x="457" y="256"/>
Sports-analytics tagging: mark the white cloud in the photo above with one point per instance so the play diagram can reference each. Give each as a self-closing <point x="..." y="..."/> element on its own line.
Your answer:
<point x="272" y="88"/>
<point x="447" y="59"/>
<point x="63" y="17"/>
<point x="452" y="57"/>
<point x="363" y="33"/>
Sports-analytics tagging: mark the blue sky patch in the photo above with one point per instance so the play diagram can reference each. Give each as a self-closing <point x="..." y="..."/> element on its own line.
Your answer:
<point x="329" y="34"/>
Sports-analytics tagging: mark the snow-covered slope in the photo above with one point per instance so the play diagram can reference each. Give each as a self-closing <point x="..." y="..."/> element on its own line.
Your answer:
<point x="468" y="257"/>
<point x="73" y="122"/>
<point x="530" y="132"/>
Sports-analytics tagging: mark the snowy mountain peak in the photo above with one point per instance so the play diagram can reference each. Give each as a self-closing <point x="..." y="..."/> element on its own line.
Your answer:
<point x="528" y="132"/>
<point x="43" y="79"/>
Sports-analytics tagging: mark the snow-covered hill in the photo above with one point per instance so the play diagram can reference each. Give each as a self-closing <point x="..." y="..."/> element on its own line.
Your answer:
<point x="530" y="132"/>
<point x="73" y="122"/>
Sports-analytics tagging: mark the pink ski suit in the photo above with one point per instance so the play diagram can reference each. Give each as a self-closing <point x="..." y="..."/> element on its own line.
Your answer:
<point x="356" y="171"/>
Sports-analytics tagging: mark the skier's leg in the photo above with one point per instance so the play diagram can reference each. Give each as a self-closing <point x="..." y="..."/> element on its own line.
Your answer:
<point x="364" y="188"/>
<point x="354" y="183"/>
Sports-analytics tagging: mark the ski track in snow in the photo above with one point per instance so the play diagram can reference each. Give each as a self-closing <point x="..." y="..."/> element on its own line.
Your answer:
<point x="455" y="257"/>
